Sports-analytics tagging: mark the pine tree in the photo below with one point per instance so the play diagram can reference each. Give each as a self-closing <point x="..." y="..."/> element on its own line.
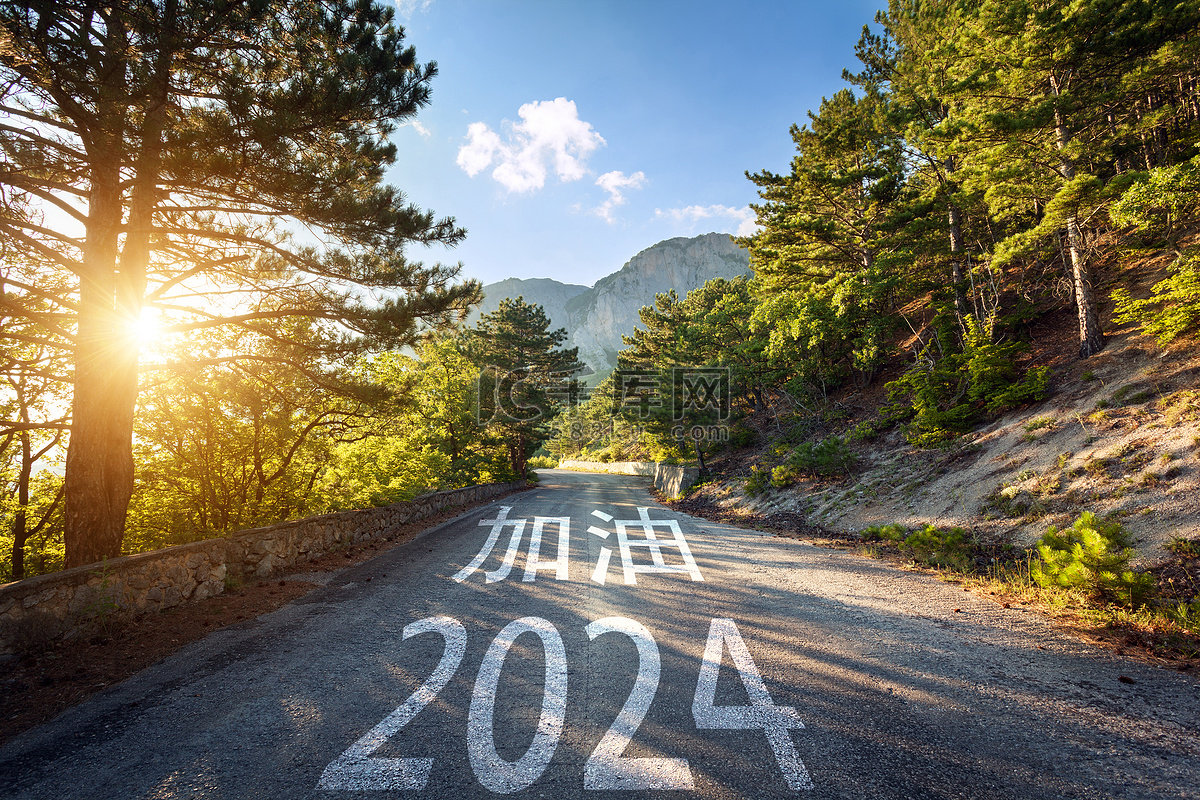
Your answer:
<point x="525" y="378"/>
<point x="827" y="252"/>
<point x="186" y="139"/>
<point x="1045" y="120"/>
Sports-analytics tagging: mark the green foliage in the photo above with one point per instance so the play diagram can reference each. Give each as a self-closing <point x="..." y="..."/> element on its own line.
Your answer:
<point x="953" y="549"/>
<point x="1173" y="309"/>
<point x="948" y="389"/>
<point x="379" y="471"/>
<point x="758" y="482"/>
<point x="543" y="462"/>
<point x="783" y="476"/>
<point x="225" y="447"/>
<point x="946" y="549"/>
<point x="828" y="457"/>
<point x="868" y="430"/>
<point x="885" y="533"/>
<point x="1092" y="556"/>
<point x="44" y="551"/>
<point x="826" y="331"/>
<point x="1161" y="202"/>
<point x="831" y="456"/>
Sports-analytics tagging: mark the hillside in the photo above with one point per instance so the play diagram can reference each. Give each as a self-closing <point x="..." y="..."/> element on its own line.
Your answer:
<point x="597" y="317"/>
<point x="1119" y="436"/>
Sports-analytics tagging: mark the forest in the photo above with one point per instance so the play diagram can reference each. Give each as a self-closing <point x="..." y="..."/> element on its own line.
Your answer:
<point x="209" y="323"/>
<point x="985" y="164"/>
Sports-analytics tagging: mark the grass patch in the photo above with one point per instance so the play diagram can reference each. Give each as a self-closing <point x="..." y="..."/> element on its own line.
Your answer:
<point x="1184" y="548"/>
<point x="1079" y="575"/>
<point x="1038" y="423"/>
<point x="1181" y="406"/>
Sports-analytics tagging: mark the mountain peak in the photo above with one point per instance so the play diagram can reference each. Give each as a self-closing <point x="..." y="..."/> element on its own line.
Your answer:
<point x="597" y="317"/>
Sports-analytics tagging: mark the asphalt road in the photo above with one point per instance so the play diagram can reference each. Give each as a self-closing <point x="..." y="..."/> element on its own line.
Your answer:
<point x="710" y="662"/>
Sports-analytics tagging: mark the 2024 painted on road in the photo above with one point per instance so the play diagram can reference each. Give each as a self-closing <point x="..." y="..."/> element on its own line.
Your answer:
<point x="358" y="769"/>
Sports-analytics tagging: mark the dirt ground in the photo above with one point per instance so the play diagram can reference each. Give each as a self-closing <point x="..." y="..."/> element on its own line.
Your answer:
<point x="36" y="687"/>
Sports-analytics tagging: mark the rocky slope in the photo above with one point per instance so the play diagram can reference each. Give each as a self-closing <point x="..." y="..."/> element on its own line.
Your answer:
<point x="597" y="317"/>
<point x="1120" y="436"/>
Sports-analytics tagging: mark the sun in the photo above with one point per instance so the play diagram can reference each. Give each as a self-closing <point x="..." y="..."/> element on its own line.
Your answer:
<point x="147" y="329"/>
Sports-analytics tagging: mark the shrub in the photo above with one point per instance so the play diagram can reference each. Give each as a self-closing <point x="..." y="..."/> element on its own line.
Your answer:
<point x="827" y="457"/>
<point x="543" y="462"/>
<point x="1092" y="556"/>
<point x="867" y="430"/>
<point x="951" y="549"/>
<point x="830" y="456"/>
<point x="783" y="476"/>
<point x="758" y="481"/>
<point x="887" y="533"/>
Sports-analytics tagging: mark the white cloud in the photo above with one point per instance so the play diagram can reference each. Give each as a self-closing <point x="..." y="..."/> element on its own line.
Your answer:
<point x="419" y="128"/>
<point x="744" y="216"/>
<point x="549" y="131"/>
<point x="408" y="7"/>
<point x="613" y="182"/>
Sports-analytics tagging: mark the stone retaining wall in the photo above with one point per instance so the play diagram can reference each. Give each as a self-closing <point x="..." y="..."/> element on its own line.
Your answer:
<point x="675" y="480"/>
<point x="668" y="478"/>
<point x="62" y="605"/>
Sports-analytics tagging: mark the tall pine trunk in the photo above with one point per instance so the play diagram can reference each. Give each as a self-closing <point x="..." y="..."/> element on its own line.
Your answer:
<point x="1091" y="337"/>
<point x="99" y="471"/>
<point x="962" y="308"/>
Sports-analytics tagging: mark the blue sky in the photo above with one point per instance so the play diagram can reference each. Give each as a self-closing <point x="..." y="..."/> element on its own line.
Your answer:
<point x="567" y="135"/>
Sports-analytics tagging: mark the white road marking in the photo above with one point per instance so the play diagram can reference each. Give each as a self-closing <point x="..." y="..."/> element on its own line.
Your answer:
<point x="510" y="555"/>
<point x="354" y="769"/>
<point x="651" y="542"/>
<point x="762" y="713"/>
<point x="533" y="562"/>
<point x="357" y="770"/>
<point x="497" y="525"/>
<point x="559" y="564"/>
<point x="601" y="572"/>
<point x="493" y="772"/>
<point x="603" y="534"/>
<point x="606" y="769"/>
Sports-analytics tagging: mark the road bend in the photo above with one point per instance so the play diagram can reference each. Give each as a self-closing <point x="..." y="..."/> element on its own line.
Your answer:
<point x="578" y="640"/>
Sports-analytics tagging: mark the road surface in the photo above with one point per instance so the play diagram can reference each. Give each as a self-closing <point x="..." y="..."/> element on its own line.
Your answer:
<point x="580" y="641"/>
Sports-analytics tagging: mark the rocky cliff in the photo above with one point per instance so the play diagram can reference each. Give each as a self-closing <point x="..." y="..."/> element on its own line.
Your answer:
<point x="596" y="318"/>
<point x="551" y="295"/>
